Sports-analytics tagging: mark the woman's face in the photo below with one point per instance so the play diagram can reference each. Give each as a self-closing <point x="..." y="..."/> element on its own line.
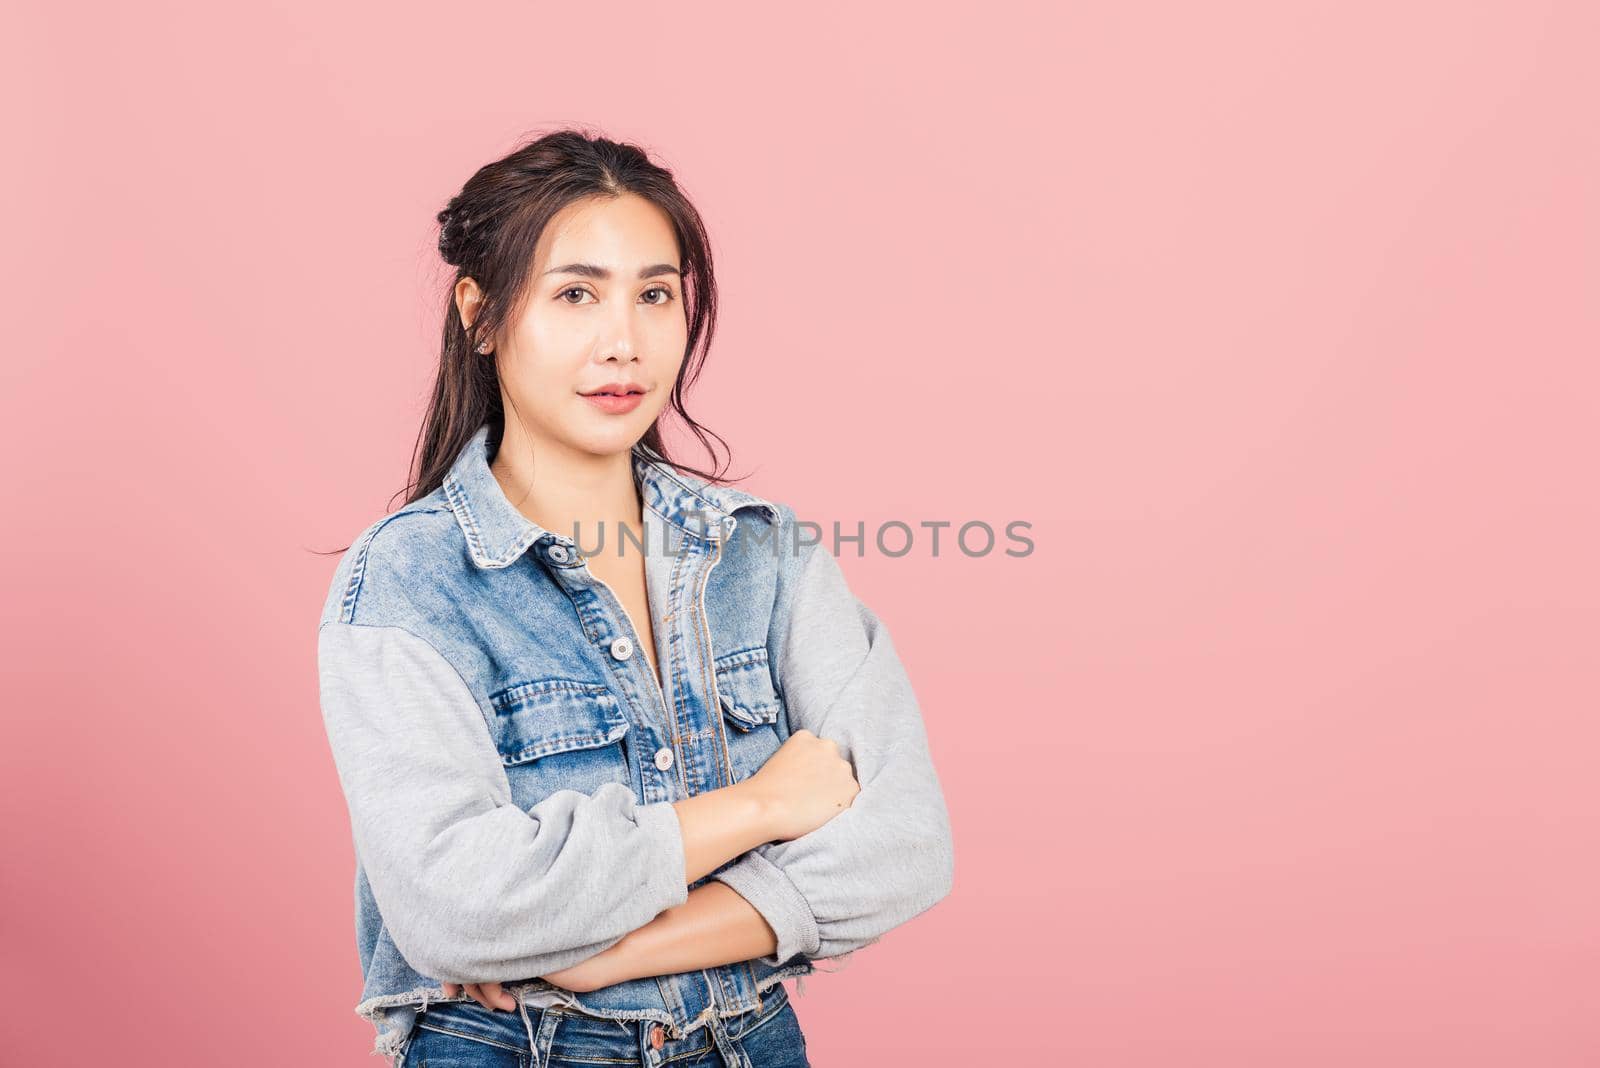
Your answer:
<point x="604" y="306"/>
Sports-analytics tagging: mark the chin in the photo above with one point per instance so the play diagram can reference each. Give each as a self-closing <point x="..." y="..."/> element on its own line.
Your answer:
<point x="606" y="444"/>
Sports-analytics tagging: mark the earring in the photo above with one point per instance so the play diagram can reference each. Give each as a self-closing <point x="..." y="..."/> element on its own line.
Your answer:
<point x="483" y="347"/>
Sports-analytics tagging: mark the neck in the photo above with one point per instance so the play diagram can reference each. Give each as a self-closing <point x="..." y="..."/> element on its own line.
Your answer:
<point x="566" y="491"/>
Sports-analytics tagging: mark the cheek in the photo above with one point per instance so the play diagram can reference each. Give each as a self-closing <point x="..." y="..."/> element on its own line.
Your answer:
<point x="539" y="385"/>
<point x="659" y="400"/>
<point x="553" y="337"/>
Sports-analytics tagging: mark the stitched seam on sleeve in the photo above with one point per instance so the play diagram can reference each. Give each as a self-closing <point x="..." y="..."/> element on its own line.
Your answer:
<point x="483" y="711"/>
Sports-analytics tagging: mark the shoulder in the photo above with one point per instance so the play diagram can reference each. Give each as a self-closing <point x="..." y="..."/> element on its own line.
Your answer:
<point x="385" y="562"/>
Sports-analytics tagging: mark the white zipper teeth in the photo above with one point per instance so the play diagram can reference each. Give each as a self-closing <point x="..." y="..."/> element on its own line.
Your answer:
<point x="715" y="711"/>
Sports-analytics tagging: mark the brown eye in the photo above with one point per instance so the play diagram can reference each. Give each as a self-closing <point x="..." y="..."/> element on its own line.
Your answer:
<point x="666" y="294"/>
<point x="572" y="289"/>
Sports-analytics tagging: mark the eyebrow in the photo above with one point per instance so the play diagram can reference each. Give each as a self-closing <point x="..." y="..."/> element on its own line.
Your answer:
<point x="589" y="270"/>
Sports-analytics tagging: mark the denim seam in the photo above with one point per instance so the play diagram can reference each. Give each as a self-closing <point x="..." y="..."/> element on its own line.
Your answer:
<point x="461" y="505"/>
<point x="358" y="570"/>
<point x="763" y="1019"/>
<point x="442" y="1029"/>
<point x="675" y="727"/>
<point x="696" y="535"/>
<point x="755" y="654"/>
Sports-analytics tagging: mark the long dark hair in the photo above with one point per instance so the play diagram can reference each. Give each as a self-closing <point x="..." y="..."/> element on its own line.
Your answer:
<point x="489" y="231"/>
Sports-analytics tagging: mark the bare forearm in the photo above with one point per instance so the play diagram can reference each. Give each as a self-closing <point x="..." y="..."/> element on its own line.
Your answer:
<point x="715" y="919"/>
<point x="722" y="824"/>
<point x="715" y="926"/>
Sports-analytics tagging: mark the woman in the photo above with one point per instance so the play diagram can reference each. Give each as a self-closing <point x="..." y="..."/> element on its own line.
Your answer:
<point x="607" y="788"/>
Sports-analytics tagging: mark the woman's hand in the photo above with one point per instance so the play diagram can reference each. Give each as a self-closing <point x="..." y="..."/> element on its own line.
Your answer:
<point x="600" y="970"/>
<point x="490" y="995"/>
<point x="804" y="784"/>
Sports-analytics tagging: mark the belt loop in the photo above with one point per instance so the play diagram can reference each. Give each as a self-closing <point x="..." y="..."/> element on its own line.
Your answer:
<point x="522" y="1007"/>
<point x="547" y="1036"/>
<point x="732" y="1052"/>
<point x="538" y="1043"/>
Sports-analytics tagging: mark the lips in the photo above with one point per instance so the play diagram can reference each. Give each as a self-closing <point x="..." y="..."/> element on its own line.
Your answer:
<point x="614" y="389"/>
<point x="616" y="400"/>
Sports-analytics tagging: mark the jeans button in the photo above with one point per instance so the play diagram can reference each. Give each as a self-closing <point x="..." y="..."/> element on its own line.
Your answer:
<point x="657" y="1037"/>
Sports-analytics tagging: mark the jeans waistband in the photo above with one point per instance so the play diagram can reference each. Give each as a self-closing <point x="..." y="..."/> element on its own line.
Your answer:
<point x="531" y="1028"/>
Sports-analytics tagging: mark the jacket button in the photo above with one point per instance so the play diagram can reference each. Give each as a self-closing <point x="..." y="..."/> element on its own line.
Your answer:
<point x="559" y="554"/>
<point x="663" y="758"/>
<point x="622" y="648"/>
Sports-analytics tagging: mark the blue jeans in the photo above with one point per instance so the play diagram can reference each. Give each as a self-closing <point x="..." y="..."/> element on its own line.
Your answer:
<point x="467" y="1035"/>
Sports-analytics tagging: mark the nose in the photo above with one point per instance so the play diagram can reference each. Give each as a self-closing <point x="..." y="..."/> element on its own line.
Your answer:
<point x="619" y="342"/>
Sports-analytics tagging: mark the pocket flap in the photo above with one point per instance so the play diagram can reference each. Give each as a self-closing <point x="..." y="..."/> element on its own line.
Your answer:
<point x="549" y="716"/>
<point x="744" y="684"/>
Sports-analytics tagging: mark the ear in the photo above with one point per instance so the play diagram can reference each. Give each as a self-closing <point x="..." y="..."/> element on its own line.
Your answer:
<point x="469" y="302"/>
<point x="468" y="298"/>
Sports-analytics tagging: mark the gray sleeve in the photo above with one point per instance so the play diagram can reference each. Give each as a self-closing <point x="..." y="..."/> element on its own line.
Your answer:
<point x="471" y="887"/>
<point x="889" y="856"/>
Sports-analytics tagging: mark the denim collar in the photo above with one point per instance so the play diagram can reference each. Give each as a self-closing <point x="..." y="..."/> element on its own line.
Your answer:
<point x="498" y="534"/>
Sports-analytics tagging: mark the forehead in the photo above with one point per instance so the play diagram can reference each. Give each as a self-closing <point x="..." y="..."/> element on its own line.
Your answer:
<point x="608" y="231"/>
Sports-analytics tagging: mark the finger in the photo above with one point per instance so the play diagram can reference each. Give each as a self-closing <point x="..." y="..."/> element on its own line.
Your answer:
<point x="491" y="997"/>
<point x="451" y="989"/>
<point x="501" y="998"/>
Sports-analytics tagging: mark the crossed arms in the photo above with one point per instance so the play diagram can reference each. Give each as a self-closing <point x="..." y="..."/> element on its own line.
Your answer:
<point x="475" y="889"/>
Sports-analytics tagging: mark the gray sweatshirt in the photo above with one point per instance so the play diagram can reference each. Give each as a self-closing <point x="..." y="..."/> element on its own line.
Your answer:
<point x="473" y="887"/>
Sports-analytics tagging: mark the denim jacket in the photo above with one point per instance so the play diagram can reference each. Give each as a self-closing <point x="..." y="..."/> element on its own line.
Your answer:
<point x="509" y="759"/>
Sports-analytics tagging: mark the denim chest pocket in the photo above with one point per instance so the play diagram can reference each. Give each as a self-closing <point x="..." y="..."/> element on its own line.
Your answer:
<point x="751" y="707"/>
<point x="559" y="734"/>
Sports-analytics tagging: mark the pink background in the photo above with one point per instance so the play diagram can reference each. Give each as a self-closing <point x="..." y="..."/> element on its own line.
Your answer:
<point x="1277" y="321"/>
